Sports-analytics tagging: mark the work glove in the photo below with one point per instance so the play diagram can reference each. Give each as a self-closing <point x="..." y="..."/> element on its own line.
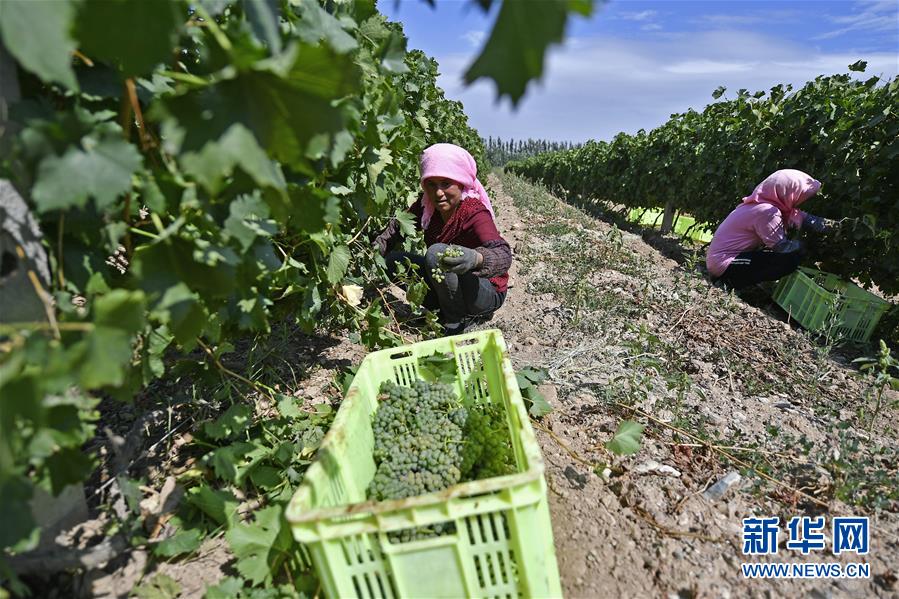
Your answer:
<point x="817" y="224"/>
<point x="460" y="264"/>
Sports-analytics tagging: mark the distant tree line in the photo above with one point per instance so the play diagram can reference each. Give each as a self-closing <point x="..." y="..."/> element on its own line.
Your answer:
<point x="500" y="151"/>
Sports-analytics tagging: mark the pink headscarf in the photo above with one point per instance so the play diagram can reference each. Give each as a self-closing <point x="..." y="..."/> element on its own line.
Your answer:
<point x="451" y="162"/>
<point x="786" y="189"/>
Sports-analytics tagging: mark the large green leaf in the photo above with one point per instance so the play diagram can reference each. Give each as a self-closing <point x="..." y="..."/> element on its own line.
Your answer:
<point x="338" y="262"/>
<point x="180" y="309"/>
<point x="16" y="522"/>
<point x="183" y="541"/>
<point x="219" y="505"/>
<point x="260" y="546"/>
<point x="287" y="103"/>
<point x="313" y="209"/>
<point x="68" y="466"/>
<point x="166" y="263"/>
<point x="237" y="147"/>
<point x="234" y="421"/>
<point x="249" y="220"/>
<point x="626" y="439"/>
<point x="38" y="35"/>
<point x="97" y="169"/>
<point x="121" y="309"/>
<point x="318" y="24"/>
<point x="263" y="16"/>
<point x="104" y="352"/>
<point x="134" y="35"/>
<point x="516" y="49"/>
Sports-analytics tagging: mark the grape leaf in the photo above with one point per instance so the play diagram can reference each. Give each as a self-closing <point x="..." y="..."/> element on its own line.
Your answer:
<point x="288" y="406"/>
<point x="438" y="367"/>
<point x="338" y="262"/>
<point x="160" y="586"/>
<point x="376" y="161"/>
<point x="180" y="309"/>
<point x="17" y="525"/>
<point x="313" y="209"/>
<point x="219" y="505"/>
<point x="263" y="16"/>
<point x="393" y="53"/>
<point x="626" y="439"/>
<point x="101" y="170"/>
<point x="318" y="24"/>
<point x="262" y="545"/>
<point x="229" y="462"/>
<point x="227" y="588"/>
<point x="103" y="354"/>
<point x="511" y="59"/>
<point x="37" y="35"/>
<point x="120" y="309"/>
<point x="249" y="220"/>
<point x="215" y="162"/>
<point x="171" y="261"/>
<point x="536" y="403"/>
<point x="234" y="421"/>
<point x="183" y="541"/>
<point x="68" y="466"/>
<point x="531" y="375"/>
<point x="406" y="220"/>
<point x="134" y="35"/>
<point x="263" y="99"/>
<point x="265" y="477"/>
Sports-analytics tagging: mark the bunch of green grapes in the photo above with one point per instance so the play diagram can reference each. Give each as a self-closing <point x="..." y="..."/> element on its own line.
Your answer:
<point x="425" y="440"/>
<point x="418" y="440"/>
<point x="452" y="252"/>
<point x="488" y="447"/>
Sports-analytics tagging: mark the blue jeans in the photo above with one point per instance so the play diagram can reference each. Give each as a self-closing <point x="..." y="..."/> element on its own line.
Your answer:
<point x="457" y="296"/>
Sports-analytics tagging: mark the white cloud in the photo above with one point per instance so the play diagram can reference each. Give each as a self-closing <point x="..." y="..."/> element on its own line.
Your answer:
<point x="475" y="38"/>
<point x="643" y="15"/>
<point x="873" y="16"/>
<point x="778" y="16"/>
<point x="708" y="67"/>
<point x="651" y="27"/>
<point x="597" y="87"/>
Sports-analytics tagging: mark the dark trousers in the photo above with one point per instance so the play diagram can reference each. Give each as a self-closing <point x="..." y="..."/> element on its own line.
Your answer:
<point x="750" y="268"/>
<point x="457" y="296"/>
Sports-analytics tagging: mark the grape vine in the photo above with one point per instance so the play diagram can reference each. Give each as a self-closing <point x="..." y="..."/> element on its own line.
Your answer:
<point x="841" y="129"/>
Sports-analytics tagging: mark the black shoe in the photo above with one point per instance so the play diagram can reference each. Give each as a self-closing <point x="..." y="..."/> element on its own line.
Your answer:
<point x="465" y="323"/>
<point x="456" y="328"/>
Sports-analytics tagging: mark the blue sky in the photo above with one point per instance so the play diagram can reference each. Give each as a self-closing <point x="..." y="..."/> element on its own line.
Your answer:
<point x="634" y="63"/>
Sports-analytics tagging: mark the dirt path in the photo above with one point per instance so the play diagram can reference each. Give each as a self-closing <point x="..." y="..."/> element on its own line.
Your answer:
<point x="617" y="324"/>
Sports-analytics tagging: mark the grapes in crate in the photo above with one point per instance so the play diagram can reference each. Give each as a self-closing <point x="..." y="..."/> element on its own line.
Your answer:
<point x="425" y="440"/>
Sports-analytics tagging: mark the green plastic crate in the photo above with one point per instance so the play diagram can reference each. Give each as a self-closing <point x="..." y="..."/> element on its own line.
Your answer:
<point x="683" y="223"/>
<point x="812" y="297"/>
<point x="502" y="545"/>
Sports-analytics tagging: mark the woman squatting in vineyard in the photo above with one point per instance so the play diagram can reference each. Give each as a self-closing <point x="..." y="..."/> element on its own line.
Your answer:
<point x="454" y="210"/>
<point x="751" y="245"/>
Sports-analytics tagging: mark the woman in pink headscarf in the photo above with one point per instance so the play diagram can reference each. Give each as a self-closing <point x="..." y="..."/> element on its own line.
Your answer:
<point x="751" y="245"/>
<point x="454" y="209"/>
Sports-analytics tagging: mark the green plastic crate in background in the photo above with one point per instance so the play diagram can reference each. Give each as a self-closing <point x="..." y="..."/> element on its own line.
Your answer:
<point x="502" y="545"/>
<point x="682" y="224"/>
<point x="812" y="297"/>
